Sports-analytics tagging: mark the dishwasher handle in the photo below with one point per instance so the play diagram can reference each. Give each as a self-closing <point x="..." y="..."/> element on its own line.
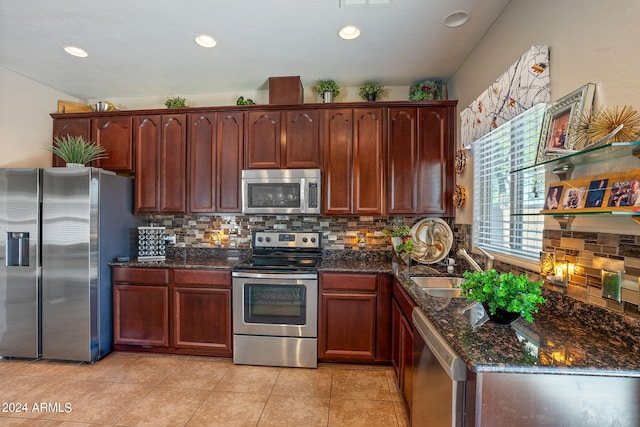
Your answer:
<point x="453" y="364"/>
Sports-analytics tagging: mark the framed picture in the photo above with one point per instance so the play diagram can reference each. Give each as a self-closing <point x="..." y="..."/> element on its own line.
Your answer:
<point x="553" y="197"/>
<point x="625" y="193"/>
<point x="561" y="121"/>
<point x="595" y="194"/>
<point x="573" y="198"/>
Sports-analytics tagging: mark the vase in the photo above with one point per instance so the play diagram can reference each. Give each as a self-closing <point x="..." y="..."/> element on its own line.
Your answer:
<point x="74" y="165"/>
<point x="502" y="316"/>
<point x="327" y="96"/>
<point x="371" y="97"/>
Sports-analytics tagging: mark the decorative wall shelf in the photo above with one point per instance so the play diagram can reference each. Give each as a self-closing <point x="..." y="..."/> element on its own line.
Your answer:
<point x="563" y="166"/>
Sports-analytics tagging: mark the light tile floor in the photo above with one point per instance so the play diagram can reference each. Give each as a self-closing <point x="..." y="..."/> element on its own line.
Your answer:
<point x="140" y="389"/>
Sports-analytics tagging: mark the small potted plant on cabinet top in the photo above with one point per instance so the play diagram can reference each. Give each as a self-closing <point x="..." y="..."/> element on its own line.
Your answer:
<point x="176" y="102"/>
<point x="370" y="91"/>
<point x="328" y="89"/>
<point x="76" y="151"/>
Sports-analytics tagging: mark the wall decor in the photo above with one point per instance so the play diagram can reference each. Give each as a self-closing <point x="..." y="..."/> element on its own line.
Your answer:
<point x="461" y="161"/>
<point x="547" y="263"/>
<point x="553" y="197"/>
<point x="561" y="123"/>
<point x="525" y="84"/>
<point x="613" y="124"/>
<point x="459" y="196"/>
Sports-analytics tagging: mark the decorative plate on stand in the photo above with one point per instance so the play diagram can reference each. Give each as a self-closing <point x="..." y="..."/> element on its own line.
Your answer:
<point x="432" y="240"/>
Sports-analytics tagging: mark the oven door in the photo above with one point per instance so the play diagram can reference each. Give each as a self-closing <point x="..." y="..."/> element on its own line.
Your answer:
<point x="275" y="304"/>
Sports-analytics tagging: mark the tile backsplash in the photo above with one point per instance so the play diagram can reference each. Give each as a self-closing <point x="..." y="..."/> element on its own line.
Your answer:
<point x="589" y="253"/>
<point x="234" y="231"/>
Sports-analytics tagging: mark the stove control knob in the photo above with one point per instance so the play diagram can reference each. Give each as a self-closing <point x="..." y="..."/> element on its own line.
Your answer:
<point x="313" y="240"/>
<point x="305" y="240"/>
<point x="259" y="239"/>
<point x="268" y="239"/>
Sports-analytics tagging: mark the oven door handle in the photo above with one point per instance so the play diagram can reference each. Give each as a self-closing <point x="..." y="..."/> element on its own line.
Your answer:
<point x="247" y="275"/>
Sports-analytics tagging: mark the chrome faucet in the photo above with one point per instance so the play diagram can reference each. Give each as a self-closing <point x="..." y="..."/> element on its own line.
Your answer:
<point x="464" y="254"/>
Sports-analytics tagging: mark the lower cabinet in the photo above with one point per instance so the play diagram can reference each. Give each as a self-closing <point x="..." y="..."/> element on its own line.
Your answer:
<point x="354" y="318"/>
<point x="176" y="311"/>
<point x="402" y="334"/>
<point x="141" y="307"/>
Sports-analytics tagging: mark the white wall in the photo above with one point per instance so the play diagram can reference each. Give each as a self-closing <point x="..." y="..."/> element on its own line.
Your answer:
<point x="589" y="41"/>
<point x="25" y="124"/>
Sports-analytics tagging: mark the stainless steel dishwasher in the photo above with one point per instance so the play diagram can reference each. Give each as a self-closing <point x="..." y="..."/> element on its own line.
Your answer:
<point x="439" y="377"/>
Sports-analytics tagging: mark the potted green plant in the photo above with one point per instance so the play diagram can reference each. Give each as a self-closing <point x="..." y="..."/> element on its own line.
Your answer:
<point x="176" y="102"/>
<point x="426" y="91"/>
<point x="402" y="241"/>
<point x="505" y="296"/>
<point x="369" y="91"/>
<point x="76" y="151"/>
<point x="328" y="89"/>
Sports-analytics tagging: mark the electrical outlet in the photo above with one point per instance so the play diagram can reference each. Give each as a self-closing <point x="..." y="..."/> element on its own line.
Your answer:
<point x="170" y="238"/>
<point x="611" y="281"/>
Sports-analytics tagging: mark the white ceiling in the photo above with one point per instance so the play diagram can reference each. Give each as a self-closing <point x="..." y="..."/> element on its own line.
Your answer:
<point x="141" y="48"/>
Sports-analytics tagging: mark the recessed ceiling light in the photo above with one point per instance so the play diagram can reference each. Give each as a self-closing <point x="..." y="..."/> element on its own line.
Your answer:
<point x="76" y="51"/>
<point x="205" y="40"/>
<point x="455" y="19"/>
<point x="349" y="32"/>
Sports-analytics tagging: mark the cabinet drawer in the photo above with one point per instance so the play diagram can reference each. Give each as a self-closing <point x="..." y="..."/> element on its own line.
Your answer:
<point x="141" y="276"/>
<point x="348" y="282"/>
<point x="202" y="277"/>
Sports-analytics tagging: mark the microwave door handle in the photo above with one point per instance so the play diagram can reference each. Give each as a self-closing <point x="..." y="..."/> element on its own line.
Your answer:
<point x="303" y="192"/>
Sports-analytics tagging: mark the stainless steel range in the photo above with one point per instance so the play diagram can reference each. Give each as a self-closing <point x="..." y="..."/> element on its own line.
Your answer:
<point x="275" y="301"/>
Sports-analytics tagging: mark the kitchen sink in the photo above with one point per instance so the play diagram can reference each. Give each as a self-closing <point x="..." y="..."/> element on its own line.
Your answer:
<point x="446" y="287"/>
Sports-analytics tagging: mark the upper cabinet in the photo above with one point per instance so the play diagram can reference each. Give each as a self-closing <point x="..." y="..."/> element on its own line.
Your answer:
<point x="114" y="133"/>
<point x="161" y="147"/>
<point x="353" y="161"/>
<point x="215" y="161"/>
<point x="420" y="160"/>
<point x="288" y="139"/>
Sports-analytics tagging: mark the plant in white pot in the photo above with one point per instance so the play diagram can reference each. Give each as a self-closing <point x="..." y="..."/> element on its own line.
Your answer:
<point x="77" y="151"/>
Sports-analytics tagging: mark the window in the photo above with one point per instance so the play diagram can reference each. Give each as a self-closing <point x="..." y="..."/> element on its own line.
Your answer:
<point x="506" y="204"/>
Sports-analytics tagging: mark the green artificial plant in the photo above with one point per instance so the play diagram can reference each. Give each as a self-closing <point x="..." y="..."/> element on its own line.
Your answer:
<point x="405" y="240"/>
<point x="370" y="88"/>
<point x="328" y="86"/>
<point x="176" y="102"/>
<point x="75" y="149"/>
<point x="507" y="291"/>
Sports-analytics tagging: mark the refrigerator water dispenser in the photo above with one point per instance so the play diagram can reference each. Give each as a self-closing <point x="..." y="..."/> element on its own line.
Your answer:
<point x="17" y="249"/>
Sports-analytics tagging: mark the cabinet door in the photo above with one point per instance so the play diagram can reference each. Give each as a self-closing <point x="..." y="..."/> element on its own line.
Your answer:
<point x="355" y="342"/>
<point x="202" y="319"/>
<point x="116" y="136"/>
<point x="406" y="360"/>
<point x="263" y="140"/>
<point x="402" y="161"/>
<point x="435" y="155"/>
<point x="338" y="162"/>
<point x="173" y="164"/>
<point x="302" y="139"/>
<point x="141" y="315"/>
<point x="73" y="127"/>
<point x="202" y="162"/>
<point x="230" y="149"/>
<point x="148" y="132"/>
<point x="368" y="167"/>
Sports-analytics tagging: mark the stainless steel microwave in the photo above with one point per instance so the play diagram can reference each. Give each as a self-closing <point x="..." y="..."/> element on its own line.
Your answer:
<point x="281" y="191"/>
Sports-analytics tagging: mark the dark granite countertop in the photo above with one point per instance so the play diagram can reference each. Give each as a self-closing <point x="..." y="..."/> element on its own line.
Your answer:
<point x="561" y="337"/>
<point x="568" y="336"/>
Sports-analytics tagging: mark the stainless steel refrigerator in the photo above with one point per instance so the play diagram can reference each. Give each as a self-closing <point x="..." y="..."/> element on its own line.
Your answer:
<point x="59" y="228"/>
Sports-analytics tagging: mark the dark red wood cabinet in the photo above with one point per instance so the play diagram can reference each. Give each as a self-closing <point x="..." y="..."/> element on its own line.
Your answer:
<point x="161" y="147"/>
<point x="354" y="318"/>
<point x="215" y="161"/>
<point x="402" y="335"/>
<point x="114" y="133"/>
<point x="288" y="139"/>
<point x="173" y="311"/>
<point x="420" y="154"/>
<point x="353" y="161"/>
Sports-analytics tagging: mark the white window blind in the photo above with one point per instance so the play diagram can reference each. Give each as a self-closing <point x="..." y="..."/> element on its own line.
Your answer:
<point x="506" y="204"/>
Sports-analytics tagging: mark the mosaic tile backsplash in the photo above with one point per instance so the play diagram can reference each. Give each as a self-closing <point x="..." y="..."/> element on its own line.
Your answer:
<point x="589" y="253"/>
